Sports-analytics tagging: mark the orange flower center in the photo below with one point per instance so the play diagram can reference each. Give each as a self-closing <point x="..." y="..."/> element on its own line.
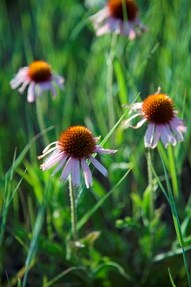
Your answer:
<point x="39" y="71"/>
<point x="158" y="109"/>
<point x="122" y="9"/>
<point x="77" y="142"/>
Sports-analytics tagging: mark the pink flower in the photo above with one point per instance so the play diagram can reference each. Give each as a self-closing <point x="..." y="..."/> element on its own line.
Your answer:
<point x="39" y="76"/>
<point x="71" y="152"/>
<point x="119" y="16"/>
<point x="158" y="111"/>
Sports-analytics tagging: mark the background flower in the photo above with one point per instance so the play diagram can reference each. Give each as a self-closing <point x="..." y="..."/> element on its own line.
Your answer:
<point x="158" y="111"/>
<point x="120" y="17"/>
<point x="39" y="76"/>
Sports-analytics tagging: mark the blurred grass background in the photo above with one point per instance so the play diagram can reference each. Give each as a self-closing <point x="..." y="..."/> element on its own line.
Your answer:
<point x="123" y="244"/>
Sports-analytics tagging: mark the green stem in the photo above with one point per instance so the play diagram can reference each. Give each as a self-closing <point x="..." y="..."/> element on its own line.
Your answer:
<point x="41" y="121"/>
<point x="150" y="180"/>
<point x="73" y="210"/>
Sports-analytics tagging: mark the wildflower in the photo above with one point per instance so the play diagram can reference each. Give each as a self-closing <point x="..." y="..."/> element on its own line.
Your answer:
<point x="158" y="111"/>
<point x="39" y="76"/>
<point x="119" y="16"/>
<point x="74" y="147"/>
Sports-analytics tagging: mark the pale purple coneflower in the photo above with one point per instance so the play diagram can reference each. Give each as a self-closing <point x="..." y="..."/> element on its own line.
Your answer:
<point x="39" y="76"/>
<point x="120" y="17"/>
<point x="158" y="111"/>
<point x="70" y="153"/>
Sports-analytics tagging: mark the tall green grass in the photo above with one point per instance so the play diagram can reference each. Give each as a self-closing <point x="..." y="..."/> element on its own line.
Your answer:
<point x="134" y="227"/>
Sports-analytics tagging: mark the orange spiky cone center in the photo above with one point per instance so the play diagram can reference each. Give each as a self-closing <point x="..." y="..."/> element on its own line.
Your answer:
<point x="77" y="142"/>
<point x="158" y="109"/>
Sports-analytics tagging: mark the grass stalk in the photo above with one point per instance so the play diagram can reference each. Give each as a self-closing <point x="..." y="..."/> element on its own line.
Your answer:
<point x="110" y="102"/>
<point x="176" y="221"/>
<point x="40" y="119"/>
<point x="172" y="170"/>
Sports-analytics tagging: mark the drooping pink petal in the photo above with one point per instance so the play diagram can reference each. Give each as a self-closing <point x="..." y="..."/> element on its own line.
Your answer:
<point x="87" y="173"/>
<point x="61" y="164"/>
<point x="148" y="139"/>
<point x="126" y="124"/>
<point x="99" y="17"/>
<point x="75" y="172"/>
<point x="164" y="136"/>
<point x="105" y="29"/>
<point x="99" y="149"/>
<point x="45" y="86"/>
<point x="171" y="137"/>
<point x="31" y="93"/>
<point x="178" y="127"/>
<point x="156" y="136"/>
<point x="99" y="166"/>
<point x="53" y="159"/>
<point x="67" y="169"/>
<point x="58" y="80"/>
<point x="24" y="85"/>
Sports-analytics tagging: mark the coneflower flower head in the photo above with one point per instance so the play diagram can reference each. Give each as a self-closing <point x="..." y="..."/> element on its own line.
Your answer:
<point x="39" y="77"/>
<point x="158" y="111"/>
<point x="118" y="16"/>
<point x="70" y="153"/>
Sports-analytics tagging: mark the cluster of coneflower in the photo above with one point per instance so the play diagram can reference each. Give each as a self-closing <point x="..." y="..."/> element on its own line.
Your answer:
<point x="75" y="148"/>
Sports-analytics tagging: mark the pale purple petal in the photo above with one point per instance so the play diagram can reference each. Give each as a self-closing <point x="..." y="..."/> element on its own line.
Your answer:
<point x="156" y="136"/>
<point x="164" y="136"/>
<point x="44" y="87"/>
<point x="75" y="172"/>
<point x="24" y="85"/>
<point x="53" y="159"/>
<point x="15" y="83"/>
<point x="127" y="29"/>
<point x="132" y="33"/>
<point x="99" y="166"/>
<point x="47" y="148"/>
<point x="87" y="173"/>
<point x="58" y="79"/>
<point x="139" y="124"/>
<point x="171" y="138"/>
<point x="99" y="149"/>
<point x="20" y="78"/>
<point x="31" y="93"/>
<point x="67" y="169"/>
<point x="178" y="123"/>
<point x="105" y="29"/>
<point x="99" y="16"/>
<point x="61" y="164"/>
<point x="136" y="107"/>
<point x="110" y="25"/>
<point x="148" y="139"/>
<point x="126" y="124"/>
<point x="114" y="24"/>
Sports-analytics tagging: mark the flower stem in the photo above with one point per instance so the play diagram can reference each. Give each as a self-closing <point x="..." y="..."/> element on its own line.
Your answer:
<point x="150" y="180"/>
<point x="73" y="210"/>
